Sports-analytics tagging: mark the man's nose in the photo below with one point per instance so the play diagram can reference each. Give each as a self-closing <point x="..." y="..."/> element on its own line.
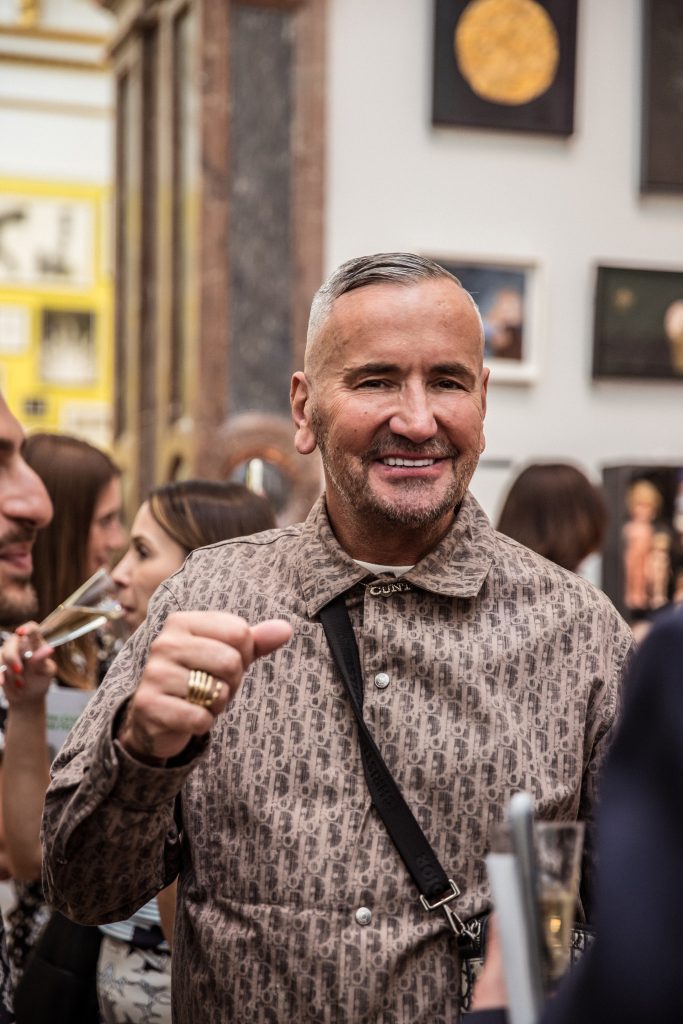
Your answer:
<point x="414" y="416"/>
<point x="26" y="497"/>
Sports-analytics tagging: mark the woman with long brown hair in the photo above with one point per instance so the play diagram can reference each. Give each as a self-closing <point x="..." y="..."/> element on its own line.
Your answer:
<point x="555" y="510"/>
<point x="85" y="535"/>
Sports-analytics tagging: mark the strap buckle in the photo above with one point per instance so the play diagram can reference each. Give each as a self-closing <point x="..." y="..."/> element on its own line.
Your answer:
<point x="457" y="925"/>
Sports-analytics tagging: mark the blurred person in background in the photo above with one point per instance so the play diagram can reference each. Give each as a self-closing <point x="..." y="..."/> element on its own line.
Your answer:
<point x="25" y="508"/>
<point x="85" y="535"/>
<point x="632" y="972"/>
<point x="555" y="510"/>
<point x="133" y="979"/>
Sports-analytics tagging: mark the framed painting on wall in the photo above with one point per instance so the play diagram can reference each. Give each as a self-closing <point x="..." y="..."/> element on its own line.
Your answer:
<point x="506" y="296"/>
<point x="46" y="241"/>
<point x="638" y="323"/>
<point x="661" y="167"/>
<point x="642" y="565"/>
<point x="505" y="64"/>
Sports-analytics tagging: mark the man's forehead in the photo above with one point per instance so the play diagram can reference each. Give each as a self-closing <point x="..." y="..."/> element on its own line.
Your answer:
<point x="438" y="307"/>
<point x="384" y="307"/>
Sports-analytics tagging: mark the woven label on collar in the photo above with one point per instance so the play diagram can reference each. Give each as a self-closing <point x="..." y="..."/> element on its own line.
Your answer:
<point x="386" y="587"/>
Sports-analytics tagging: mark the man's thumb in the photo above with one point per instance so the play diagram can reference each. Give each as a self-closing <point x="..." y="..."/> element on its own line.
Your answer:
<point x="270" y="635"/>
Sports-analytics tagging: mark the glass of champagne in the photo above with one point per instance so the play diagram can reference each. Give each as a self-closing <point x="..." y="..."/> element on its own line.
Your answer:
<point x="90" y="607"/>
<point x="558" y="846"/>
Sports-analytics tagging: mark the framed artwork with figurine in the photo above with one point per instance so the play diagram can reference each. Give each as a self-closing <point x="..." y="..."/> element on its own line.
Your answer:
<point x="638" y="327"/>
<point x="643" y="556"/>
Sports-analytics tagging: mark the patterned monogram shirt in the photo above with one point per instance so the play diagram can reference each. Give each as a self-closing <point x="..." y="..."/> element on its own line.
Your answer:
<point x="487" y="670"/>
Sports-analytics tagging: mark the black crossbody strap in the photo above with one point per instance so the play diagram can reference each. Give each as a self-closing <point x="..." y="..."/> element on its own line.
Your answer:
<point x="436" y="889"/>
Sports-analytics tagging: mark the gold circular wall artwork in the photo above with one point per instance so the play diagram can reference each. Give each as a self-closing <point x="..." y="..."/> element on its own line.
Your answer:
<point x="508" y="51"/>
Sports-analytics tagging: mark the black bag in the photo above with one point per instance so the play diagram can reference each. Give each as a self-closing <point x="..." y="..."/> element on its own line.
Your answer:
<point x="59" y="983"/>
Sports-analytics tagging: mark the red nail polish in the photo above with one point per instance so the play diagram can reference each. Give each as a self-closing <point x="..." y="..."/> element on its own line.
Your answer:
<point x="17" y="667"/>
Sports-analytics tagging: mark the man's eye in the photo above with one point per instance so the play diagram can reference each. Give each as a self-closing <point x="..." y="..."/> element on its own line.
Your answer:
<point x="449" y="385"/>
<point x="373" y="383"/>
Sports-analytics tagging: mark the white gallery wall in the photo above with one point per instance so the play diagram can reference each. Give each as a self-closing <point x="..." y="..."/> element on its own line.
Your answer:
<point x="564" y="205"/>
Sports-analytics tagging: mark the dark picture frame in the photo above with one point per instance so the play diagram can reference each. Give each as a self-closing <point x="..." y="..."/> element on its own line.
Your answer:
<point x="494" y="69"/>
<point x="638" y="328"/>
<point x="642" y="565"/>
<point x="661" y="165"/>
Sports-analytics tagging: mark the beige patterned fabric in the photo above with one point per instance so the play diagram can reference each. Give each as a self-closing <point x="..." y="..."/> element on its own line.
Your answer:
<point x="503" y="672"/>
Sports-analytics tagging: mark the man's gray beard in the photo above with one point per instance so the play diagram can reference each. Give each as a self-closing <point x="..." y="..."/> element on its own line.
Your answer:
<point x="16" y="610"/>
<point x="396" y="513"/>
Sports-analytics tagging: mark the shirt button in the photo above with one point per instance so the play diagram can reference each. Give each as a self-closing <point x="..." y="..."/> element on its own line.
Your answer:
<point x="363" y="916"/>
<point x="382" y="680"/>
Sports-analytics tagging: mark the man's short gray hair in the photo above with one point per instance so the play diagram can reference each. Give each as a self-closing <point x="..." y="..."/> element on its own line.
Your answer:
<point x="379" y="268"/>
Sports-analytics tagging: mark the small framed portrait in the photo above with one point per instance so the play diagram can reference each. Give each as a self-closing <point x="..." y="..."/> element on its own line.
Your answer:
<point x="643" y="559"/>
<point x="505" y="64"/>
<point x="638" y="328"/>
<point x="68" y="355"/>
<point x="506" y="296"/>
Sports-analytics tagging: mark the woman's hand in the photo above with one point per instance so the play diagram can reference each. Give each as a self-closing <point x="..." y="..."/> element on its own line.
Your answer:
<point x="26" y="680"/>
<point x="489" y="990"/>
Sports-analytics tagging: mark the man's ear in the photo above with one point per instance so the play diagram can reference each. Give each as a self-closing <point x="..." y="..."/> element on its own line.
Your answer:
<point x="300" y="401"/>
<point x="484" y="392"/>
<point x="486" y="373"/>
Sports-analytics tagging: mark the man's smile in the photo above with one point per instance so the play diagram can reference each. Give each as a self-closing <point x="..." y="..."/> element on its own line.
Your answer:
<point x="397" y="461"/>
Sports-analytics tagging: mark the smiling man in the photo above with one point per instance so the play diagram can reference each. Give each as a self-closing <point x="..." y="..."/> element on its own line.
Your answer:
<point x="485" y="670"/>
<point x="24" y="508"/>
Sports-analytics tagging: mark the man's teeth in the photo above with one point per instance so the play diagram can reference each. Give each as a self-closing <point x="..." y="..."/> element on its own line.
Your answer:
<point x="408" y="462"/>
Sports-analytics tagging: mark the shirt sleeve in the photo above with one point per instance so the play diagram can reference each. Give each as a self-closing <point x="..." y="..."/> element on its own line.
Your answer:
<point x="110" y="840"/>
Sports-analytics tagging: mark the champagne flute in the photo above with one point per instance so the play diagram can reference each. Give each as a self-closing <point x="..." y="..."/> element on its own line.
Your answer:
<point x="558" y="847"/>
<point x="90" y="607"/>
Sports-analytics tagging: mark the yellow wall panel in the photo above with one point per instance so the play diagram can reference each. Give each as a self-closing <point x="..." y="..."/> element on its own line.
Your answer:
<point x="56" y="336"/>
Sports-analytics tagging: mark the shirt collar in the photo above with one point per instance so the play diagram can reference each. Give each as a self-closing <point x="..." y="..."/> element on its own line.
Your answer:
<point x="457" y="566"/>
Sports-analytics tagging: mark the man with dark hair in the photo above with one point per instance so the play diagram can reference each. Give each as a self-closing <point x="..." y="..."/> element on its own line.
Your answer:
<point x="224" y="749"/>
<point x="24" y="508"/>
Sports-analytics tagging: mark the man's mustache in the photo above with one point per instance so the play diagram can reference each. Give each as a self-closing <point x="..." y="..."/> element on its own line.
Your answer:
<point x="433" y="449"/>
<point x="19" y="535"/>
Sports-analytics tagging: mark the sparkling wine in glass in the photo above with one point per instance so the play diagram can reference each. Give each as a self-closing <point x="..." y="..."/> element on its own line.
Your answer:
<point x="91" y="606"/>
<point x="558" y="853"/>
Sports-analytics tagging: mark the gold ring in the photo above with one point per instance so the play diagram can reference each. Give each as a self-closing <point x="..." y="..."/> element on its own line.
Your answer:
<point x="218" y="686"/>
<point x="202" y="688"/>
